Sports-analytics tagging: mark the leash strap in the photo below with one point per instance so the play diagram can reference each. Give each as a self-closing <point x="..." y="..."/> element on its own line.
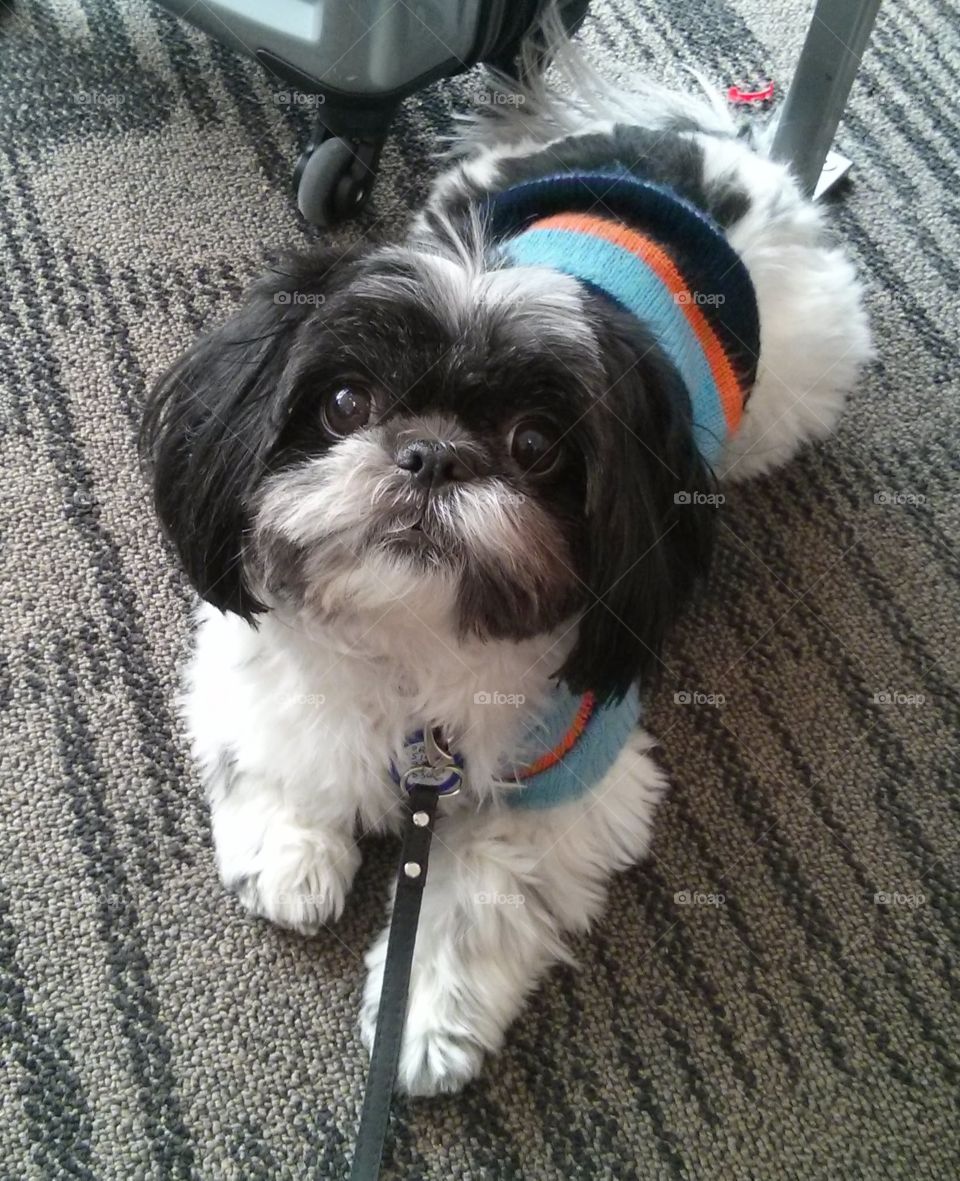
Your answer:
<point x="418" y="830"/>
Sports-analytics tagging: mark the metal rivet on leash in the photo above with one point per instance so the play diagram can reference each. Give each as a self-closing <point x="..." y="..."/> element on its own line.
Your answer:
<point x="421" y="819"/>
<point x="412" y="868"/>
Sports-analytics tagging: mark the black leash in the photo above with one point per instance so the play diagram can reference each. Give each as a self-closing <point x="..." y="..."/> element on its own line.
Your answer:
<point x="436" y="774"/>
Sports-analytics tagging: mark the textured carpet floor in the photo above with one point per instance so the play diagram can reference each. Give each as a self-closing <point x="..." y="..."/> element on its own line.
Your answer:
<point x="799" y="1029"/>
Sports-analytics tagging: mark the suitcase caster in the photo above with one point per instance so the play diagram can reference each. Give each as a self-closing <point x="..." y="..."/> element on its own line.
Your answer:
<point x="334" y="179"/>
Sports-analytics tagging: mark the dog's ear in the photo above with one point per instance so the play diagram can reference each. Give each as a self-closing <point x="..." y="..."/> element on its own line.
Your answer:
<point x="213" y="418"/>
<point x="649" y="520"/>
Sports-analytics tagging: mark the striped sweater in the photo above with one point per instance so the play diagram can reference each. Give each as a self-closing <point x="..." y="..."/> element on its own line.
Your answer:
<point x="661" y="259"/>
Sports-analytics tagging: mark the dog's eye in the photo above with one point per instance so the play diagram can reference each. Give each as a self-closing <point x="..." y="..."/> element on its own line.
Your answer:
<point x="534" y="447"/>
<point x="345" y="411"/>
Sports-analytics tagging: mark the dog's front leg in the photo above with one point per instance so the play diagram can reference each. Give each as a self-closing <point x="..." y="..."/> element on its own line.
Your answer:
<point x="292" y="866"/>
<point x="284" y="783"/>
<point x="502" y="888"/>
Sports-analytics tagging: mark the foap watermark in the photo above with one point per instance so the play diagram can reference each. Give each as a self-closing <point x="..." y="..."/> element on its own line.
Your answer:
<point x="494" y="898"/>
<point x="894" y="898"/>
<point x="501" y="98"/>
<point x="310" y="699"/>
<point x="302" y="898"/>
<point x="899" y="498"/>
<point x="101" y="99"/>
<point x="895" y="697"/>
<point x="700" y="298"/>
<point x="298" y="298"/>
<point x="699" y="498"/>
<point x="298" y="98"/>
<point x="694" y="697"/>
<point x="511" y="497"/>
<point x="113" y="903"/>
<point x="698" y="898"/>
<point x="496" y="698"/>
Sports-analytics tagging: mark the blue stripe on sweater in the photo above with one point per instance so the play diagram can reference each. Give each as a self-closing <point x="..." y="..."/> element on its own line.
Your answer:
<point x="586" y="763"/>
<point x="634" y="285"/>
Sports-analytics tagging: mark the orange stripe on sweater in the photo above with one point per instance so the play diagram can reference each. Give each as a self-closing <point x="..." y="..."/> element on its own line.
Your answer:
<point x="551" y="757"/>
<point x="655" y="257"/>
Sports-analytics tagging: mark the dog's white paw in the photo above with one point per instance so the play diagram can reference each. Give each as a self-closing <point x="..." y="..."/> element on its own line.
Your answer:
<point x="436" y="1060"/>
<point x="298" y="877"/>
<point x="441" y="1049"/>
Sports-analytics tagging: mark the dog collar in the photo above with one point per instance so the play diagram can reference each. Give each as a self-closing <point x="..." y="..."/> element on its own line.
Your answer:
<point x="658" y="257"/>
<point x="570" y="748"/>
<point x="425" y="761"/>
<point x="564" y="754"/>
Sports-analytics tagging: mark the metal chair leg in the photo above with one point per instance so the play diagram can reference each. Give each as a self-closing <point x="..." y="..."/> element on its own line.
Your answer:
<point x="828" y="64"/>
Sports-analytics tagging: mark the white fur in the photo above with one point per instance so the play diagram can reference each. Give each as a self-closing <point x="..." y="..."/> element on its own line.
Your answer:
<point x="311" y="727"/>
<point x="294" y="723"/>
<point x="814" y="335"/>
<point x="459" y="287"/>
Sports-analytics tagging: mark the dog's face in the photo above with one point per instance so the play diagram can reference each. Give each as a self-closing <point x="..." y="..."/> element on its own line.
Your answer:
<point x="498" y="438"/>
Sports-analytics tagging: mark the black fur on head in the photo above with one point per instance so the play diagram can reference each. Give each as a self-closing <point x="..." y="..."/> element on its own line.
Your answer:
<point x="238" y="438"/>
<point x="214" y="418"/>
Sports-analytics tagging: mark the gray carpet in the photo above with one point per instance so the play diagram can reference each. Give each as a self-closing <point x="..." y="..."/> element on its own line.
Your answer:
<point x="799" y="1029"/>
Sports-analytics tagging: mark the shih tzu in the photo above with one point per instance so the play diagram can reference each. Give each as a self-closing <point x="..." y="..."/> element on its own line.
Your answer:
<point x="462" y="485"/>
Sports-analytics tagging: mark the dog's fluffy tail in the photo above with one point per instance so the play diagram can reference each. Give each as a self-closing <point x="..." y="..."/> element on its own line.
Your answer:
<point x="572" y="94"/>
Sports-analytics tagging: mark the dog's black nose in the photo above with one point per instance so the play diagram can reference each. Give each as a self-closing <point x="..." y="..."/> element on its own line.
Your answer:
<point x="432" y="462"/>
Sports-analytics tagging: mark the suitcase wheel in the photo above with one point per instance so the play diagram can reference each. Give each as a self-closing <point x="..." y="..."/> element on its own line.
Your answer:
<point x="334" y="179"/>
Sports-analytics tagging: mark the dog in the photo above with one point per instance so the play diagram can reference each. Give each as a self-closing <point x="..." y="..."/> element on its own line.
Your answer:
<point x="461" y="485"/>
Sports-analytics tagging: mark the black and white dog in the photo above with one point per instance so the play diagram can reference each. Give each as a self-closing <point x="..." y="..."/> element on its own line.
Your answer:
<point x="461" y="485"/>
